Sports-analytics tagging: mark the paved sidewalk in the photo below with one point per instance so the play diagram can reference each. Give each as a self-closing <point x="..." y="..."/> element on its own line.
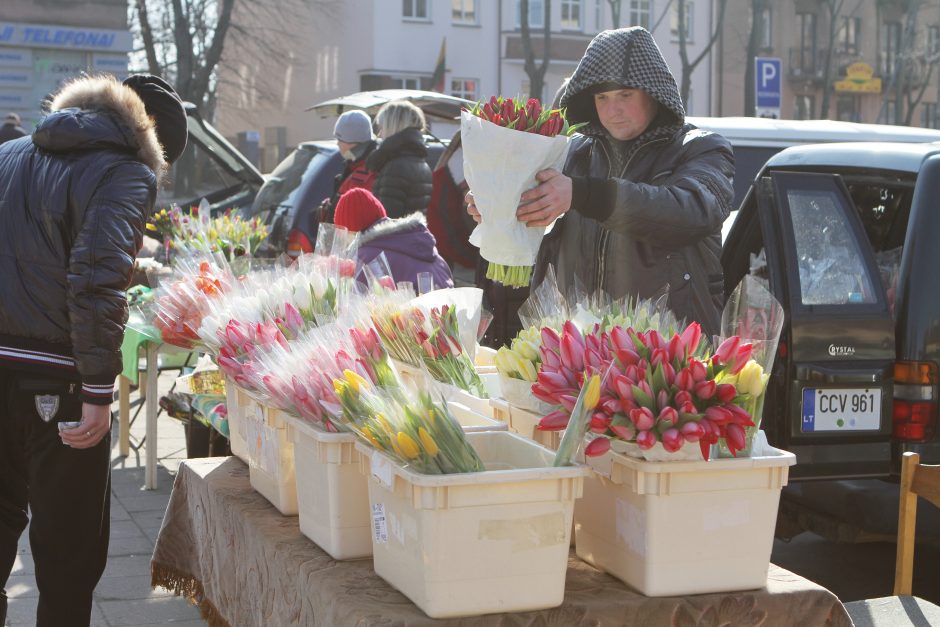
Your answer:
<point x="123" y="596"/>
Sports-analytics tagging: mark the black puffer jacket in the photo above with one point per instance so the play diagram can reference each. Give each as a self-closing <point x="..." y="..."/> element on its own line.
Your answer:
<point x="74" y="200"/>
<point x="403" y="176"/>
<point x="656" y="223"/>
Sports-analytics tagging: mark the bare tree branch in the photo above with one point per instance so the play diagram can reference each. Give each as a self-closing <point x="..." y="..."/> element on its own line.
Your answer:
<point x="146" y="34"/>
<point x="535" y="73"/>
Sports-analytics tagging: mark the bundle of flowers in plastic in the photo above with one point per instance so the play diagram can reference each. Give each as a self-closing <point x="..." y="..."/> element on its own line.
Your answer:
<point x="186" y="297"/>
<point x="196" y="230"/>
<point x="406" y="424"/>
<point x="657" y="391"/>
<point x="506" y="142"/>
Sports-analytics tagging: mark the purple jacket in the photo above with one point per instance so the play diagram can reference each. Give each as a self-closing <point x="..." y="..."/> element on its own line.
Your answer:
<point x="409" y="247"/>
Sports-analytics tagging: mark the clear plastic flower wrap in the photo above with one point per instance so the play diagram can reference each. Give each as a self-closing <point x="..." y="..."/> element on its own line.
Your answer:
<point x="185" y="296"/>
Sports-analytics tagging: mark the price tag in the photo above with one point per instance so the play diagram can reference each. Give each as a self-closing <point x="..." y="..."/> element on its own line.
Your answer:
<point x="379" y="524"/>
<point x="381" y="469"/>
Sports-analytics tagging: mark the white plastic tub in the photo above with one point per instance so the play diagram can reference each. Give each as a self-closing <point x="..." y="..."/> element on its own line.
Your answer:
<point x="525" y="423"/>
<point x="682" y="527"/>
<point x="477" y="543"/>
<point x="271" y="457"/>
<point x="332" y="495"/>
<point x="235" y="399"/>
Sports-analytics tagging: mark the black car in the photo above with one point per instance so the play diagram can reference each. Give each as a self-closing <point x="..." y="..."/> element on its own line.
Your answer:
<point x="209" y="168"/>
<point x="844" y="233"/>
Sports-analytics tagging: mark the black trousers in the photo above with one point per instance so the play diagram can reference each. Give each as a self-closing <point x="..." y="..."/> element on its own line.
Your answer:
<point x="66" y="491"/>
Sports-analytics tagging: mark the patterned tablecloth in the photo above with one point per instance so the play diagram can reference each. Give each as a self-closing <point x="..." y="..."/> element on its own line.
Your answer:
<point x="227" y="549"/>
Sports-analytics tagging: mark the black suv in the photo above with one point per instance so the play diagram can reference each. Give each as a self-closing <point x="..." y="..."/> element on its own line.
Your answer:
<point x="846" y="236"/>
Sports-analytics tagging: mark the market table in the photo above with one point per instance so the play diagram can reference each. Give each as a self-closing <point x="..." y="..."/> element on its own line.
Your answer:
<point x="139" y="334"/>
<point x="227" y="549"/>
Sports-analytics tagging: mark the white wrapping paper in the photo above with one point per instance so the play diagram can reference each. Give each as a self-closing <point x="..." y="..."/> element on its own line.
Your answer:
<point x="499" y="165"/>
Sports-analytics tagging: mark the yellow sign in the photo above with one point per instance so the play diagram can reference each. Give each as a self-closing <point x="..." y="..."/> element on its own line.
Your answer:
<point x="859" y="78"/>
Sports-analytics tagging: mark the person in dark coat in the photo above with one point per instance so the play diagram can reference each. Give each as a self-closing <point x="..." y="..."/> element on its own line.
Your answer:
<point x="76" y="197"/>
<point x="11" y="128"/>
<point x="403" y="180"/>
<point x="407" y="243"/>
<point x="643" y="195"/>
<point x="354" y="138"/>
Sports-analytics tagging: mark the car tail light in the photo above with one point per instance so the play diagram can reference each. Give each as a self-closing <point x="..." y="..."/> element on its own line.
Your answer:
<point x="298" y="243"/>
<point x="915" y="400"/>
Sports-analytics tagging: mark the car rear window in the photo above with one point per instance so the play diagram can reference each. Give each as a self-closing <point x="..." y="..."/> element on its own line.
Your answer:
<point x="831" y="266"/>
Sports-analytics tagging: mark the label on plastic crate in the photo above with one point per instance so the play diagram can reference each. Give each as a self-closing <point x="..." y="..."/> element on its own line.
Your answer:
<point x="381" y="469"/>
<point x="631" y="527"/>
<point x="379" y="523"/>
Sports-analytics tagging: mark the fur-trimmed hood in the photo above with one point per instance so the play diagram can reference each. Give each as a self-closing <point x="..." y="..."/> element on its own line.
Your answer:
<point x="407" y="236"/>
<point x="100" y="113"/>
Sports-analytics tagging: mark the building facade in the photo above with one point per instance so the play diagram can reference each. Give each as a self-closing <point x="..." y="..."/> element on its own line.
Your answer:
<point x="879" y="60"/>
<point x="45" y="43"/>
<point x="337" y="48"/>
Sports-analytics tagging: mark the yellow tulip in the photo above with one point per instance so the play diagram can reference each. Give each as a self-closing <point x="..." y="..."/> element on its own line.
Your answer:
<point x="408" y="446"/>
<point x="355" y="380"/>
<point x="429" y="444"/>
<point x="750" y="379"/>
<point x="592" y="395"/>
<point x="338" y="386"/>
<point x="527" y="370"/>
<point x="383" y="422"/>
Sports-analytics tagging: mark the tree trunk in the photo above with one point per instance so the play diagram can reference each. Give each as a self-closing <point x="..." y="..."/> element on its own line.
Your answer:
<point x="688" y="67"/>
<point x="615" y="7"/>
<point x="146" y="33"/>
<point x="835" y="8"/>
<point x="536" y="73"/>
<point x="750" y="104"/>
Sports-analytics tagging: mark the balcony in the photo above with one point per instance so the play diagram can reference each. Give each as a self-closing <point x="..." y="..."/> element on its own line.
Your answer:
<point x="807" y="64"/>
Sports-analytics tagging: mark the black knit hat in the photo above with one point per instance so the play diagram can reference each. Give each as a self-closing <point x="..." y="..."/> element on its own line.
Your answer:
<point x="166" y="108"/>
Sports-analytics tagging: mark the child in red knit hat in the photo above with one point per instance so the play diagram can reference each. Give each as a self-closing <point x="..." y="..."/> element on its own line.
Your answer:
<point x="407" y="243"/>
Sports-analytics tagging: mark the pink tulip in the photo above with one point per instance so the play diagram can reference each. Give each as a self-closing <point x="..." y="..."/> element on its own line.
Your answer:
<point x="741" y="357"/>
<point x="621" y="340"/>
<point x="643" y="385"/>
<point x="706" y="389"/>
<point x="230" y="365"/>
<point x="691" y="337"/>
<point x="550" y="359"/>
<point x="592" y="341"/>
<point x="643" y="418"/>
<point x="550" y="339"/>
<point x="692" y="431"/>
<point x="698" y="369"/>
<point x="655" y="340"/>
<point x="718" y="415"/>
<point x="669" y="373"/>
<point x="662" y="399"/>
<point x="727" y="349"/>
<point x="739" y="416"/>
<point x="659" y="356"/>
<point x="674" y="347"/>
<point x="598" y="446"/>
<point x="672" y="440"/>
<point x="592" y="358"/>
<point x="553" y="381"/>
<point x="627" y="357"/>
<point x="726" y="392"/>
<point x="645" y="440"/>
<point x="554" y="421"/>
<point x="294" y="320"/>
<point x="623" y="386"/>
<point x="539" y="392"/>
<point x="684" y="380"/>
<point x="669" y="414"/>
<point x="611" y="405"/>
<point x="682" y="397"/>
<point x="624" y="432"/>
<point x="572" y="351"/>
<point x="567" y="401"/>
<point x="736" y="438"/>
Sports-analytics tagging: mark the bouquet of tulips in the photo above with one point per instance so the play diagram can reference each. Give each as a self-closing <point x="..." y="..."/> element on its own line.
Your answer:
<point x="229" y="234"/>
<point x="655" y="390"/>
<point x="505" y="143"/>
<point x="182" y="302"/>
<point x="405" y="424"/>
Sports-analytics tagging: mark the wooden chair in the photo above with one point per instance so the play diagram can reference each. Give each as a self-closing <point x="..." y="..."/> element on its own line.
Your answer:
<point x="903" y="609"/>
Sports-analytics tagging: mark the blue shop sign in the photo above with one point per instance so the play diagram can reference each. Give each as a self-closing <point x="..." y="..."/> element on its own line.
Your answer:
<point x="46" y="36"/>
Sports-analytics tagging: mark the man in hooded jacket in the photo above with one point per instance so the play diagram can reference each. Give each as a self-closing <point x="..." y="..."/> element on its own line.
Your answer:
<point x="643" y="195"/>
<point x="74" y="201"/>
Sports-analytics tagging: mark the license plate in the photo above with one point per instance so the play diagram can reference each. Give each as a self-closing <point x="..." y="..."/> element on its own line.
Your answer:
<point x="832" y="409"/>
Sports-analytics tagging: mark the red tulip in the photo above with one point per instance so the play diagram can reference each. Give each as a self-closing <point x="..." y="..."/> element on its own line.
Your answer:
<point x="645" y="440"/>
<point x="642" y="418"/>
<point x="698" y="369"/>
<point x="544" y="395"/>
<point x="624" y="432"/>
<point x="567" y="401"/>
<point x="554" y="421"/>
<point x="672" y="440"/>
<point x="674" y="347"/>
<point x="669" y="414"/>
<point x="598" y="446"/>
<point x="726" y="392"/>
<point x="684" y="380"/>
<point x="718" y="415"/>
<point x="692" y="431"/>
<point x="621" y="340"/>
<point x="736" y="438"/>
<point x="706" y="389"/>
<point x="550" y="339"/>
<point x="599" y="422"/>
<point x="691" y="337"/>
<point x="727" y="349"/>
<point x="741" y="357"/>
<point x="739" y="416"/>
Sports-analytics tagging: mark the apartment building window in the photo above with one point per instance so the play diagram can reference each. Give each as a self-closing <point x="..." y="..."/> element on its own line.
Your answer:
<point x="929" y="115"/>
<point x="890" y="46"/>
<point x="405" y="82"/>
<point x="847" y="35"/>
<point x="464" y="88"/>
<point x="803" y="107"/>
<point x="640" y="11"/>
<point x="571" y="14"/>
<point x="415" y="10"/>
<point x="464" y="11"/>
<point x="599" y="14"/>
<point x="889" y="113"/>
<point x="933" y="39"/>
<point x="674" y="20"/>
<point x="765" y="28"/>
<point x="536" y="14"/>
<point x="806" y="52"/>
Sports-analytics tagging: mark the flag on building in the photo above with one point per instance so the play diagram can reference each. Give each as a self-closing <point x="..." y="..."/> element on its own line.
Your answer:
<point x="437" y="78"/>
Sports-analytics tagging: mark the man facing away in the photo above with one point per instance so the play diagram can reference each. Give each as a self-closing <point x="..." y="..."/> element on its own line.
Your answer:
<point x="74" y="201"/>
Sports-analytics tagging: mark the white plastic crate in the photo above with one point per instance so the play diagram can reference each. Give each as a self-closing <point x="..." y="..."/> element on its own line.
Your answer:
<point x="525" y="422"/>
<point x="682" y="527"/>
<point x="332" y="496"/>
<point x="235" y="399"/>
<point x="271" y="457"/>
<point x="476" y="543"/>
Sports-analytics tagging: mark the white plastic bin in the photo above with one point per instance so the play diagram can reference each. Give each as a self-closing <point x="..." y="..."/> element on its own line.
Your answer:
<point x="477" y="543"/>
<point x="682" y="527"/>
<point x="332" y="495"/>
<point x="235" y="398"/>
<point x="271" y="457"/>
<point x="525" y="422"/>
